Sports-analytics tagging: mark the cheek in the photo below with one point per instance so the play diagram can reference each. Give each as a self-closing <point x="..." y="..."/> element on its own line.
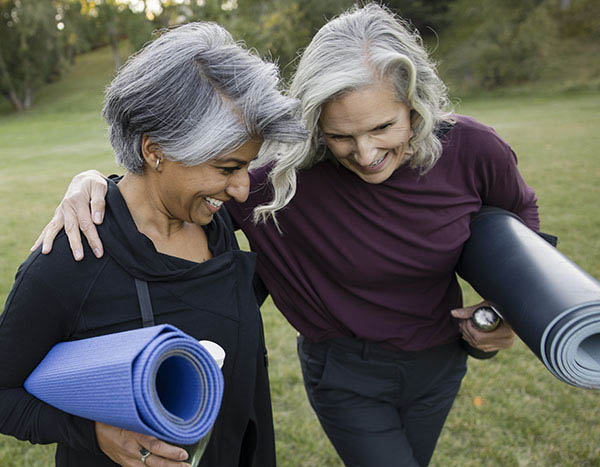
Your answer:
<point x="390" y="141"/>
<point x="339" y="149"/>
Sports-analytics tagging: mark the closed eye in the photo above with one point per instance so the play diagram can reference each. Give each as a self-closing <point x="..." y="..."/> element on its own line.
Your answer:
<point x="337" y="137"/>
<point x="228" y="170"/>
<point x="382" y="127"/>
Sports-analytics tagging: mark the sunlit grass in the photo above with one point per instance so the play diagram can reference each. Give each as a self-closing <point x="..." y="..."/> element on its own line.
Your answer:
<point x="527" y="417"/>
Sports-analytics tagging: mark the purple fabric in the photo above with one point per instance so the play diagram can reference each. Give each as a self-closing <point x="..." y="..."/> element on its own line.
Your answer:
<point x="377" y="262"/>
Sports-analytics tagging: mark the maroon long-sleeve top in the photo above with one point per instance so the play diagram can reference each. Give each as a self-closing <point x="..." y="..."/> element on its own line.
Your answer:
<point x="377" y="261"/>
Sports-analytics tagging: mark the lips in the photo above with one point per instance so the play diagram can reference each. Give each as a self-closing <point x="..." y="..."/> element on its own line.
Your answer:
<point x="213" y="204"/>
<point x="375" y="166"/>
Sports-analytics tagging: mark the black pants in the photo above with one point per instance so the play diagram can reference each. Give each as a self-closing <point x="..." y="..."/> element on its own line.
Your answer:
<point x="381" y="407"/>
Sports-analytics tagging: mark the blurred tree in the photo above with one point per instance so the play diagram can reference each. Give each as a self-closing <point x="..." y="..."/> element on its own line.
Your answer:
<point x="581" y="20"/>
<point x="279" y="29"/>
<point x="492" y="44"/>
<point x="429" y="17"/>
<point x="77" y="30"/>
<point x="117" y="21"/>
<point x="30" y="52"/>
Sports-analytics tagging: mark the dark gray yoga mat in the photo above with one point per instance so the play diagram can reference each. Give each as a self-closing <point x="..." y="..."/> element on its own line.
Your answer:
<point x="551" y="303"/>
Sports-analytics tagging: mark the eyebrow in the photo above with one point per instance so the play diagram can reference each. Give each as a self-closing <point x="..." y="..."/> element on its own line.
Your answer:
<point x="235" y="160"/>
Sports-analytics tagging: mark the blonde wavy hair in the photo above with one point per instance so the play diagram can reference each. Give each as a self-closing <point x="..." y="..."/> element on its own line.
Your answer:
<point x="352" y="51"/>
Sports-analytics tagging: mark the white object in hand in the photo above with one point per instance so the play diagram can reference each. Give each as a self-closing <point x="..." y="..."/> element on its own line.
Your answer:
<point x="215" y="350"/>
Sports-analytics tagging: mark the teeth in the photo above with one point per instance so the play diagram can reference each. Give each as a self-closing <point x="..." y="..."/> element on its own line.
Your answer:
<point x="213" y="202"/>
<point x="378" y="161"/>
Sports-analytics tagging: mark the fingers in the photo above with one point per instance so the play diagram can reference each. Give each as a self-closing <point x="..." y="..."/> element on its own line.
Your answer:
<point x="89" y="206"/>
<point x="75" y="208"/>
<point x="51" y="231"/>
<point x="123" y="447"/>
<point x="163" y="454"/>
<point x="154" y="461"/>
<point x="72" y="228"/>
<point x="467" y="312"/>
<point x="97" y="203"/>
<point x="86" y="190"/>
<point x="83" y="221"/>
<point x="502" y="337"/>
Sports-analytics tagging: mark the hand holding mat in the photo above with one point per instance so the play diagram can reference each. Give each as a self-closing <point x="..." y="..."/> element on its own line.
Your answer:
<point x="156" y="380"/>
<point x="550" y="302"/>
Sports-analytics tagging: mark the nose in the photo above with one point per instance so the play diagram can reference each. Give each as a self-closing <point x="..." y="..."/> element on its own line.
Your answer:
<point x="239" y="185"/>
<point x="365" y="153"/>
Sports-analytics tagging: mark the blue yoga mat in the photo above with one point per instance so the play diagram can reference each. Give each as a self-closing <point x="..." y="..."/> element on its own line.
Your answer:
<point x="157" y="380"/>
<point x="551" y="303"/>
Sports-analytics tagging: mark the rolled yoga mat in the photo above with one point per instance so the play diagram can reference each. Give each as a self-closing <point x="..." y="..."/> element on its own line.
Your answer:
<point x="156" y="380"/>
<point x="551" y="303"/>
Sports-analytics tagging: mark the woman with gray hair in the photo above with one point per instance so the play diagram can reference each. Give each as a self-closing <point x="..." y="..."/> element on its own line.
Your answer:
<point x="187" y="115"/>
<point x="362" y="259"/>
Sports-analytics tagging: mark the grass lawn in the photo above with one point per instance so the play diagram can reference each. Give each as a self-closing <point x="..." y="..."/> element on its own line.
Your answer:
<point x="526" y="418"/>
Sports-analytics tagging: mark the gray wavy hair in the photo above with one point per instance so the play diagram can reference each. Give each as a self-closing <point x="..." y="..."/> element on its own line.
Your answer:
<point x="352" y="51"/>
<point x="198" y="94"/>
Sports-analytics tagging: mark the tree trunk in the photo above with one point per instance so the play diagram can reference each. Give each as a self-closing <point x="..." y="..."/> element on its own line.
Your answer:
<point x="28" y="97"/>
<point x="114" y="43"/>
<point x="11" y="93"/>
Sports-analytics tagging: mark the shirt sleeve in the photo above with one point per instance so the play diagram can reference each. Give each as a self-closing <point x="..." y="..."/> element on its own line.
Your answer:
<point x="36" y="316"/>
<point x="501" y="183"/>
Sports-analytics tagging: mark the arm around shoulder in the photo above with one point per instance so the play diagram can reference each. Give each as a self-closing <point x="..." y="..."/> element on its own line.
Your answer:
<point x="81" y="208"/>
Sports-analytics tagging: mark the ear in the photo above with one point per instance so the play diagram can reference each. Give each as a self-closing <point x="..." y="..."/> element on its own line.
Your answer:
<point x="152" y="153"/>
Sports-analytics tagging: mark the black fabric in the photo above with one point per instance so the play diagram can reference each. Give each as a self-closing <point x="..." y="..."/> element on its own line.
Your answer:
<point x="381" y="407"/>
<point x="56" y="299"/>
<point x="145" y="303"/>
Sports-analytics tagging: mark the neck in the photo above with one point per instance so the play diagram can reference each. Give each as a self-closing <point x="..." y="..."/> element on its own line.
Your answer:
<point x="149" y="213"/>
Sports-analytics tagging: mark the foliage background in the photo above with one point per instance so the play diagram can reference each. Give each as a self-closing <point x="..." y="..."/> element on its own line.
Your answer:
<point x="481" y="45"/>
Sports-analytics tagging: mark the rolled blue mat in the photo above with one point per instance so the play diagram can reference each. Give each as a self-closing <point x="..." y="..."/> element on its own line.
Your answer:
<point x="156" y="380"/>
<point x="551" y="303"/>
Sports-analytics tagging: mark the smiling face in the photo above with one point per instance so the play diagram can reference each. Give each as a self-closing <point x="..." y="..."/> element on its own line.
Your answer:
<point x="367" y="131"/>
<point x="195" y="194"/>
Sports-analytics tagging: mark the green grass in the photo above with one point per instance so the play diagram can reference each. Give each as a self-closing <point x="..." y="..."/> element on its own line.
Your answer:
<point x="528" y="418"/>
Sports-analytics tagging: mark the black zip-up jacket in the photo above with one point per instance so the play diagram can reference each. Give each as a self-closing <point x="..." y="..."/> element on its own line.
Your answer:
<point x="56" y="299"/>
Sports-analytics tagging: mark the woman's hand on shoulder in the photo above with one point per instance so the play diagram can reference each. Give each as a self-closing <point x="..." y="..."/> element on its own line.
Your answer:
<point x="123" y="447"/>
<point x="83" y="201"/>
<point x="502" y="337"/>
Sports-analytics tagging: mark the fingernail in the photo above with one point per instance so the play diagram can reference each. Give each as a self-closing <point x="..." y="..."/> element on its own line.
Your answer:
<point x="78" y="254"/>
<point x="45" y="250"/>
<point x="97" y="252"/>
<point x="183" y="455"/>
<point x="97" y="217"/>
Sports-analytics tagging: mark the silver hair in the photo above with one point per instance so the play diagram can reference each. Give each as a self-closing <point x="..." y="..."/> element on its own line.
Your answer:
<point x="198" y="94"/>
<point x="352" y="51"/>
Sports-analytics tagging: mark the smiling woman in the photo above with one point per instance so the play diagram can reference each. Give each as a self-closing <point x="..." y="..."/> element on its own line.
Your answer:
<point x="170" y="201"/>
<point x="186" y="117"/>
<point x="368" y="131"/>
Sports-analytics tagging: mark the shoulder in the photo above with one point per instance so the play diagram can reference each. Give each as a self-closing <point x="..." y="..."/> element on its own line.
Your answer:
<point x="468" y="128"/>
<point x="58" y="270"/>
<point x="476" y="142"/>
<point x="53" y="284"/>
